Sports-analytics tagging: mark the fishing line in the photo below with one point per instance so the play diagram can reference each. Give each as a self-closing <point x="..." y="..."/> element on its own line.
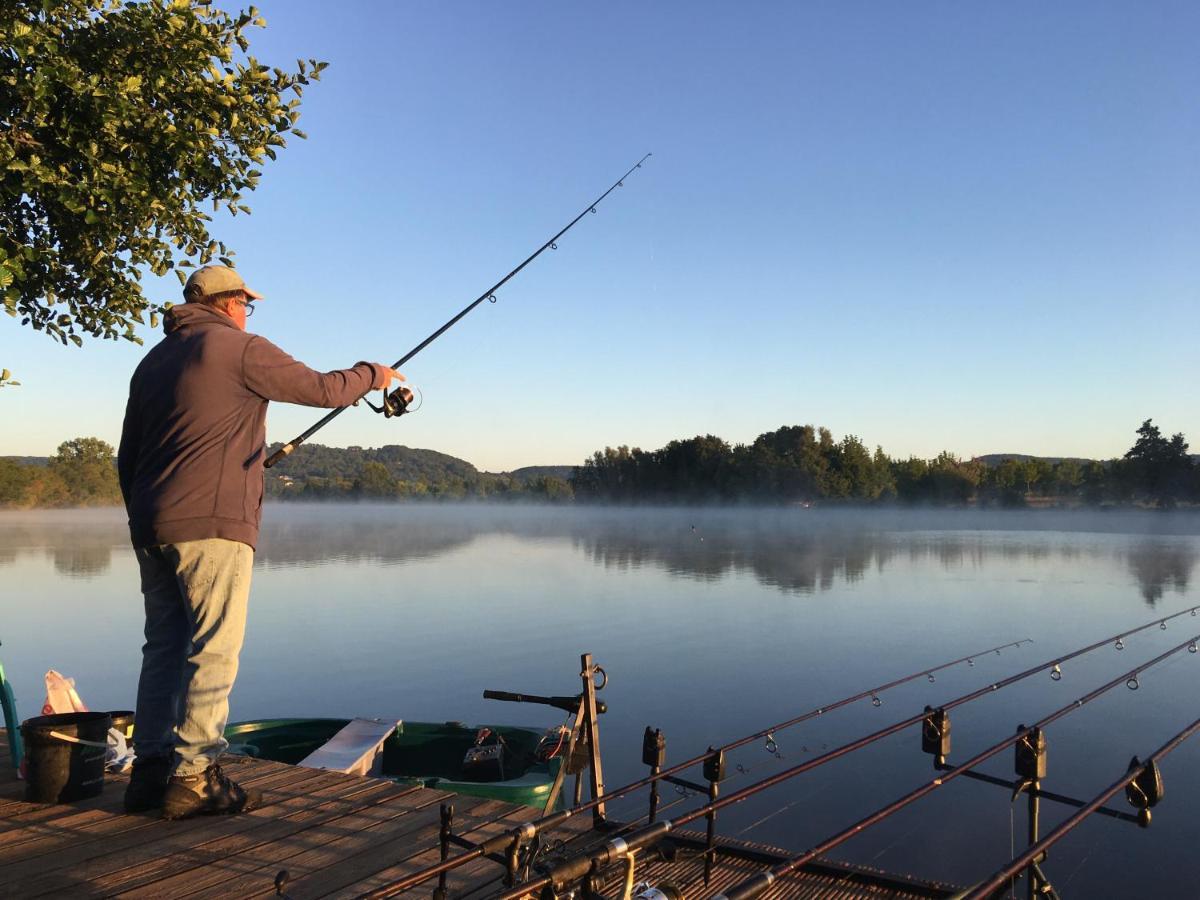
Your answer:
<point x="394" y="404"/>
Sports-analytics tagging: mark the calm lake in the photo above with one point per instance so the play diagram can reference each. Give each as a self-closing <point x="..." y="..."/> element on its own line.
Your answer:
<point x="711" y="624"/>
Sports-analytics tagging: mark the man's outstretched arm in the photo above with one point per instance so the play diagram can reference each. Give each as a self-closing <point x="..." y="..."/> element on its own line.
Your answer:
<point x="274" y="375"/>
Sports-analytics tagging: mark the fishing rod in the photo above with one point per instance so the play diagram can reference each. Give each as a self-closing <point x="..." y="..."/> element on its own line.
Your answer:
<point x="759" y="883"/>
<point x="1136" y="780"/>
<point x="529" y="830"/>
<point x="396" y="403"/>
<point x="618" y="847"/>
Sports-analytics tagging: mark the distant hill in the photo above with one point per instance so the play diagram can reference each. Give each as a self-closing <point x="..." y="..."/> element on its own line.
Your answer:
<point x="403" y="463"/>
<point x="528" y="473"/>
<point x="315" y="471"/>
<point x="994" y="459"/>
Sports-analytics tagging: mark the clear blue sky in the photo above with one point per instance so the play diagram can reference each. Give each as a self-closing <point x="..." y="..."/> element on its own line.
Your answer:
<point x="935" y="225"/>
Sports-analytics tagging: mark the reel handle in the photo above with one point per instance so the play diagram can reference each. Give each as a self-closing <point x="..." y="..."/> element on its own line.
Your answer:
<point x="393" y="404"/>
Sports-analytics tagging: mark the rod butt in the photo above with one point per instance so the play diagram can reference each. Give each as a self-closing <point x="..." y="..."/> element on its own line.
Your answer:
<point x="278" y="455"/>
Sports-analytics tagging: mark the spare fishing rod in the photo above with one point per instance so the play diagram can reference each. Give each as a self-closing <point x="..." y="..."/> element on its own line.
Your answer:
<point x="565" y="872"/>
<point x="1139" y="777"/>
<point x="396" y="403"/>
<point x="759" y="883"/>
<point x="529" y="830"/>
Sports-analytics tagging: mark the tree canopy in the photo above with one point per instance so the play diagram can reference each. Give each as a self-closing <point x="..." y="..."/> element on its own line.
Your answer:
<point x="1159" y="469"/>
<point x="803" y="464"/>
<point x="122" y="121"/>
<point x="82" y="472"/>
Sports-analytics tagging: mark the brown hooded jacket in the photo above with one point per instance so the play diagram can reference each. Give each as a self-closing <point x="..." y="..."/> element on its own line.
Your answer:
<point x="192" y="447"/>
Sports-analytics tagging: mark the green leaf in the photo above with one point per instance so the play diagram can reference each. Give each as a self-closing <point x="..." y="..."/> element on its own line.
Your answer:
<point x="170" y="128"/>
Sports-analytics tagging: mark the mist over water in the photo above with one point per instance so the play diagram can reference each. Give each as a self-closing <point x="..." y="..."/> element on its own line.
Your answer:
<point x="712" y="623"/>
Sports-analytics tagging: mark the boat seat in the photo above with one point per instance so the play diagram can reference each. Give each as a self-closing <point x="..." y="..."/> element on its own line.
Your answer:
<point x="356" y="750"/>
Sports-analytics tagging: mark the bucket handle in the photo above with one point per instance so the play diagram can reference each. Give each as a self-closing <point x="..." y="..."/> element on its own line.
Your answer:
<point x="74" y="740"/>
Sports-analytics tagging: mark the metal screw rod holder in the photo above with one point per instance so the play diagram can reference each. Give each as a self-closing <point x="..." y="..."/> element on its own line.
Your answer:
<point x="1001" y="876"/>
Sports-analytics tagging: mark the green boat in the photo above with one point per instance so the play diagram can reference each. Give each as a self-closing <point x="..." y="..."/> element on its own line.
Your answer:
<point x="496" y="762"/>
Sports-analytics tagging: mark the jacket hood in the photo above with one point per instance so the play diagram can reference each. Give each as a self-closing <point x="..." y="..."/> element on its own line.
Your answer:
<point x="193" y="314"/>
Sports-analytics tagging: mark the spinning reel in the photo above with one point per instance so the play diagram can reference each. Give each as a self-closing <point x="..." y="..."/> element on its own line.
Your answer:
<point x="394" y="404"/>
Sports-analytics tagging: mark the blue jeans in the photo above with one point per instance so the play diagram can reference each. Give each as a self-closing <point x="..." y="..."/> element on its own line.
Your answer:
<point x="196" y="594"/>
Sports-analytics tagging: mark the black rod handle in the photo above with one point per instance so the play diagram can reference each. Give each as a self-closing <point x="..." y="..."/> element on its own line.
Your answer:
<point x="569" y="704"/>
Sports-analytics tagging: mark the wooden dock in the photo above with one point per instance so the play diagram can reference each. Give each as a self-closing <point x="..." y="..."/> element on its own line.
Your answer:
<point x="336" y="835"/>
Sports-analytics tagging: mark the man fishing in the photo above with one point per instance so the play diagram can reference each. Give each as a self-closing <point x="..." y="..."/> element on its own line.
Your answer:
<point x="191" y="472"/>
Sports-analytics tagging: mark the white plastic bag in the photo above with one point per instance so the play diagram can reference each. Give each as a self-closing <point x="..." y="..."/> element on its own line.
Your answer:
<point x="61" y="696"/>
<point x="119" y="756"/>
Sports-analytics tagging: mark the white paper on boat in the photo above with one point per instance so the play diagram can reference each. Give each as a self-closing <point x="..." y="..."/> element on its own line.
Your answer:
<point x="356" y="750"/>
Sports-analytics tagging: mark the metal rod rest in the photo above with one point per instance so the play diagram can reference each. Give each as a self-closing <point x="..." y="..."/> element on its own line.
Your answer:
<point x="645" y="836"/>
<point x="754" y="886"/>
<point x="1016" y="865"/>
<point x="1043" y="794"/>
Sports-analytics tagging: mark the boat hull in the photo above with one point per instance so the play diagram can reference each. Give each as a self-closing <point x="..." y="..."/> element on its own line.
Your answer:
<point x="420" y="753"/>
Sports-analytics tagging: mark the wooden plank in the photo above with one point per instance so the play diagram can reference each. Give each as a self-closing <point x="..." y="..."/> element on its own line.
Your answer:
<point x="110" y="803"/>
<point x="251" y="874"/>
<point x="79" y="829"/>
<point x="112" y="798"/>
<point x="429" y="854"/>
<point x="19" y="812"/>
<point x="189" y="857"/>
<point x="116" y="858"/>
<point x="283" y="840"/>
<point x="351" y="869"/>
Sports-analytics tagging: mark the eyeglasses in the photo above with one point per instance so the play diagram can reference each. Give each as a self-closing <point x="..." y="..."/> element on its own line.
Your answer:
<point x="248" y="306"/>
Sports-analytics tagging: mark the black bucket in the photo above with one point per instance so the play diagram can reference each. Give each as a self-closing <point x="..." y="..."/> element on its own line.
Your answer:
<point x="64" y="756"/>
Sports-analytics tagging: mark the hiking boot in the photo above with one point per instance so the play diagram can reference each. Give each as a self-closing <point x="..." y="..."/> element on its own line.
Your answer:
<point x="147" y="783"/>
<point x="208" y="793"/>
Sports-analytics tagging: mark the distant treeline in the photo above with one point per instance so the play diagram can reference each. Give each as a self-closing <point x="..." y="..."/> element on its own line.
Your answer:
<point x="80" y="473"/>
<point x="803" y="464"/>
<point x="798" y="464"/>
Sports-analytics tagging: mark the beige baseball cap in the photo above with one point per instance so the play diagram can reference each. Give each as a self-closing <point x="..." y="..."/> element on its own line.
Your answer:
<point x="209" y="280"/>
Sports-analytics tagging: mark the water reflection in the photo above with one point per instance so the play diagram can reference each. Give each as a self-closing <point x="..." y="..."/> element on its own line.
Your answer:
<point x="318" y="541"/>
<point x="79" y="543"/>
<point x="792" y="551"/>
<point x="1160" y="568"/>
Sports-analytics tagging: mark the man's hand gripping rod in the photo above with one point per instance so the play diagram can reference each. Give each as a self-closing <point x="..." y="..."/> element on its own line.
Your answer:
<point x="489" y="294"/>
